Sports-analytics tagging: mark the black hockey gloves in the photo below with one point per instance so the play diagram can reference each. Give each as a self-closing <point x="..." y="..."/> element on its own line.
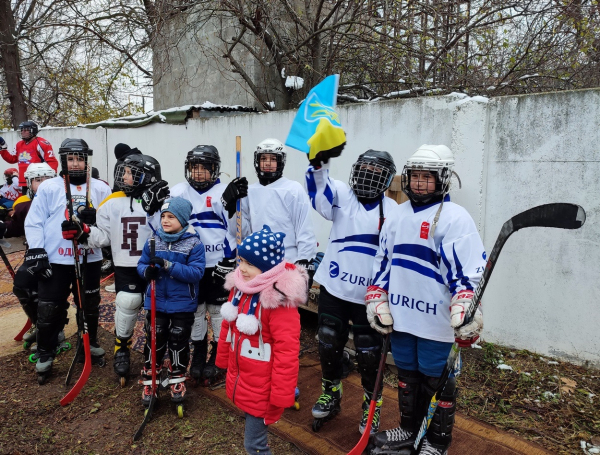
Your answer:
<point x="154" y="196"/>
<point x="37" y="264"/>
<point x="74" y="230"/>
<point x="223" y="267"/>
<point x="2" y="143"/>
<point x="237" y="189"/>
<point x="309" y="266"/>
<point x="151" y="272"/>
<point x="87" y="215"/>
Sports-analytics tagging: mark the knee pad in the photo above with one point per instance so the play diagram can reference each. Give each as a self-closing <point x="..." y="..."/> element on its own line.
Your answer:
<point x="179" y="335"/>
<point x="29" y="301"/>
<point x="200" y="326"/>
<point x="127" y="306"/>
<point x="333" y="336"/>
<point x="409" y="390"/>
<point x="368" y="354"/>
<point x="51" y="314"/>
<point x="92" y="304"/>
<point x="215" y="319"/>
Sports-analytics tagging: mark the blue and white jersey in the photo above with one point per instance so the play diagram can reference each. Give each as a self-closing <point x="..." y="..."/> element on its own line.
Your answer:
<point x="420" y="273"/>
<point x="346" y="268"/>
<point x="209" y="219"/>
<point x="283" y="206"/>
<point x="49" y="209"/>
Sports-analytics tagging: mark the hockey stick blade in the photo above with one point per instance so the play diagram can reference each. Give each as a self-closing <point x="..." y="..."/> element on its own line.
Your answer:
<point x="74" y="361"/>
<point x="364" y="440"/>
<point x="85" y="374"/>
<point x="8" y="265"/>
<point x="147" y="417"/>
<point x="23" y="331"/>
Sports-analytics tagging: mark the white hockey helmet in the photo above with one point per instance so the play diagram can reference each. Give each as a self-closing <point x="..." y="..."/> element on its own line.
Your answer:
<point x="437" y="159"/>
<point x="274" y="147"/>
<point x="37" y="170"/>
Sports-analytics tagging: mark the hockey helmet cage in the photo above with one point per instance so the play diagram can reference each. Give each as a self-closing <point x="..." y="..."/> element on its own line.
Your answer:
<point x="273" y="147"/>
<point x="437" y="159"/>
<point x="80" y="149"/>
<point x="208" y="157"/>
<point x="37" y="170"/>
<point x="31" y="126"/>
<point x="144" y="171"/>
<point x="372" y="174"/>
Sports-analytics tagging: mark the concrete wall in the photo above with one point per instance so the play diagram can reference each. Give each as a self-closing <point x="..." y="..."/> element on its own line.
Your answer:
<point x="512" y="153"/>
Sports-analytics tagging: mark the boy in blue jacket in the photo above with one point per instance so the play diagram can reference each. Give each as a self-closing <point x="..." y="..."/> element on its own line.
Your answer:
<point x="177" y="266"/>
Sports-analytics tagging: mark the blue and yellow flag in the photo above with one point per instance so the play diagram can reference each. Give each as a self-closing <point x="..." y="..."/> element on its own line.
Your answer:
<point x="317" y="130"/>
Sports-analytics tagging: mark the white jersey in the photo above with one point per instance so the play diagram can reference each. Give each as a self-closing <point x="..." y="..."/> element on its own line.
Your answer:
<point x="11" y="192"/>
<point x="345" y="270"/>
<point x="49" y="209"/>
<point x="284" y="206"/>
<point x="122" y="224"/>
<point x="420" y="273"/>
<point x="209" y="218"/>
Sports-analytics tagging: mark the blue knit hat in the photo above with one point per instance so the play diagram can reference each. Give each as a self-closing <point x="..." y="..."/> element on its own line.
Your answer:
<point x="180" y="207"/>
<point x="263" y="249"/>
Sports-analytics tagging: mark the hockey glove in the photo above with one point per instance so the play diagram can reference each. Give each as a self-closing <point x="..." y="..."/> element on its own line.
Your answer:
<point x="465" y="334"/>
<point x="74" y="230"/>
<point x="3" y="213"/>
<point x="273" y="414"/>
<point x="237" y="189"/>
<point x="151" y="273"/>
<point x="2" y="143"/>
<point x="2" y="229"/>
<point x="37" y="264"/>
<point x="87" y="215"/>
<point x="378" y="310"/>
<point x="160" y="262"/>
<point x="223" y="267"/>
<point x="154" y="196"/>
<point x="309" y="266"/>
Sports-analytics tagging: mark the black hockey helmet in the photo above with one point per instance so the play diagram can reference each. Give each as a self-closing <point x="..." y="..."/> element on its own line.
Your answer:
<point x="79" y="149"/>
<point x="372" y="174"/>
<point x="208" y="157"/>
<point x="31" y="126"/>
<point x="144" y="171"/>
<point x="272" y="147"/>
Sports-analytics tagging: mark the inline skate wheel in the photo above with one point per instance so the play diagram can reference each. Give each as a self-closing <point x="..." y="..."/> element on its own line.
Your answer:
<point x="296" y="406"/>
<point x="180" y="411"/>
<point x="123" y="381"/>
<point x="317" y="424"/>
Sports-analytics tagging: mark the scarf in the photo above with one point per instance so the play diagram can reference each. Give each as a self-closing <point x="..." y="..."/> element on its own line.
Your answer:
<point x="170" y="238"/>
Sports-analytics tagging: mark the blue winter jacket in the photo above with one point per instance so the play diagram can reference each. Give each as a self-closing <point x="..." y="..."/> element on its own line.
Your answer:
<point x="177" y="288"/>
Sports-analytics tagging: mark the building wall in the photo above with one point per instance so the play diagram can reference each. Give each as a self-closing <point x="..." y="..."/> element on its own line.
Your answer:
<point x="512" y="153"/>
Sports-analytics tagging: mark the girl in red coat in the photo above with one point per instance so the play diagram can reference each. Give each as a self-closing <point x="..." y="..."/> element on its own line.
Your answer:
<point x="260" y="334"/>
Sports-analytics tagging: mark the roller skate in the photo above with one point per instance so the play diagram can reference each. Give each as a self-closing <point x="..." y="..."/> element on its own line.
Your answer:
<point x="328" y="404"/>
<point x="199" y="360"/>
<point x="146" y="381"/>
<point x="178" y="391"/>
<point x="63" y="346"/>
<point x="397" y="441"/>
<point x="30" y="337"/>
<point x="376" y="415"/>
<point x="213" y="375"/>
<point x="43" y="368"/>
<point x="97" y="354"/>
<point x="121" y="359"/>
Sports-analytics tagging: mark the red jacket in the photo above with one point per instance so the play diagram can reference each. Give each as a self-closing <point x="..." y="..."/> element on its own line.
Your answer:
<point x="26" y="153"/>
<point x="259" y="381"/>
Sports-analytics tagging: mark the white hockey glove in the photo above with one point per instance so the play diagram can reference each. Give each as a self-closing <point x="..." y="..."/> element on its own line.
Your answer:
<point x="465" y="335"/>
<point x="378" y="310"/>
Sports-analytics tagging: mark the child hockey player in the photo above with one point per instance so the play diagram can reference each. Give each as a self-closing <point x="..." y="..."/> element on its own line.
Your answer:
<point x="50" y="256"/>
<point x="429" y="263"/>
<point x="11" y="190"/>
<point x="276" y="201"/>
<point x="177" y="267"/>
<point x="357" y="211"/>
<point x="31" y="149"/>
<point x="25" y="285"/>
<point x="261" y="334"/>
<point x="204" y="190"/>
<point x="122" y="224"/>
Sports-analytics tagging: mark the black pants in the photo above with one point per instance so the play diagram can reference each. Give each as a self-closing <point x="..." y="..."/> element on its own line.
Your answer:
<point x="53" y="305"/>
<point x="334" y="317"/>
<point x="173" y="330"/>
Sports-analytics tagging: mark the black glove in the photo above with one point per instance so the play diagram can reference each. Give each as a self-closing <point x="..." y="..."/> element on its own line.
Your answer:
<point x="2" y="229"/>
<point x="223" y="267"/>
<point x="309" y="266"/>
<point x="73" y="230"/>
<point x="154" y="196"/>
<point x="3" y="213"/>
<point x="159" y="262"/>
<point x="151" y="273"/>
<point x="87" y="215"/>
<point x="2" y="143"/>
<point x="237" y="189"/>
<point x="10" y="179"/>
<point x="37" y="264"/>
<point x="323" y="156"/>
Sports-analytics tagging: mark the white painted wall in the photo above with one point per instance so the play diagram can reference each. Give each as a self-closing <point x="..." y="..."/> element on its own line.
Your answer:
<point x="512" y="153"/>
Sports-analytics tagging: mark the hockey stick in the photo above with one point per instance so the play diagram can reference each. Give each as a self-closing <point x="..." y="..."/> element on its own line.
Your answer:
<point x="28" y="324"/>
<point x="83" y="335"/>
<point x="238" y="203"/>
<point x="148" y="414"/>
<point x="558" y="215"/>
<point x="107" y="278"/>
<point x="364" y="440"/>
